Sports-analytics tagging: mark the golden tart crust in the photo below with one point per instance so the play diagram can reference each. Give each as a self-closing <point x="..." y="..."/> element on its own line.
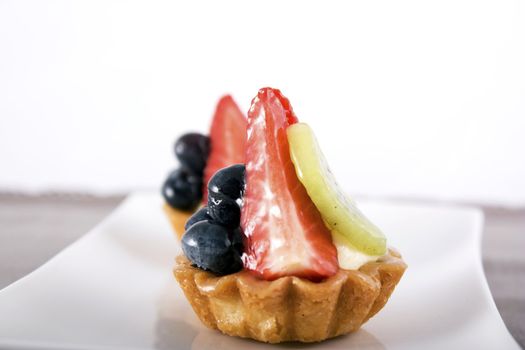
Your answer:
<point x="177" y="219"/>
<point x="290" y="308"/>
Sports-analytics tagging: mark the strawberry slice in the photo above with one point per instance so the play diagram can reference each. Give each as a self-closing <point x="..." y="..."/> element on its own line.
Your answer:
<point x="285" y="234"/>
<point x="227" y="139"/>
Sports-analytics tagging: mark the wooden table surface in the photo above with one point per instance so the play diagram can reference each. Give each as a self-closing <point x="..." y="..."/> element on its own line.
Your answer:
<point x="34" y="228"/>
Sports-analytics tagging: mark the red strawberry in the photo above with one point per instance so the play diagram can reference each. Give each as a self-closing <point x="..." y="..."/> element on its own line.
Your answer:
<point x="285" y="234"/>
<point x="227" y="138"/>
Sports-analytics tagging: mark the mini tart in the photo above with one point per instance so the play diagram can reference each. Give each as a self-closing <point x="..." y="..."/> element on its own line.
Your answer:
<point x="290" y="308"/>
<point x="177" y="219"/>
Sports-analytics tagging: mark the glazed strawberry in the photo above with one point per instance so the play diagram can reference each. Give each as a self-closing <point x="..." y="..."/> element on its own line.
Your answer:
<point x="227" y="138"/>
<point x="285" y="234"/>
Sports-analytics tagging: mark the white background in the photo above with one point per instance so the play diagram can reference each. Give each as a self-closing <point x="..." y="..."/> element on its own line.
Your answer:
<point x="408" y="98"/>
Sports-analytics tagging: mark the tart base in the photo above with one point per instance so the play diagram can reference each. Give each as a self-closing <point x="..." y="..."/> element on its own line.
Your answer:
<point x="290" y="308"/>
<point x="177" y="219"/>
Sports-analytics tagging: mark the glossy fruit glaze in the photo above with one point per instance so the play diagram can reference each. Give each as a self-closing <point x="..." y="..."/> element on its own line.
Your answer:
<point x="227" y="139"/>
<point x="284" y="232"/>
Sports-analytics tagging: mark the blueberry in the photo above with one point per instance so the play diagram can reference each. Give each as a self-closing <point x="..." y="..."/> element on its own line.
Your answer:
<point x="228" y="181"/>
<point x="199" y="215"/>
<point x="192" y="151"/>
<point x="182" y="190"/>
<point x="208" y="246"/>
<point x="236" y="237"/>
<point x="224" y="210"/>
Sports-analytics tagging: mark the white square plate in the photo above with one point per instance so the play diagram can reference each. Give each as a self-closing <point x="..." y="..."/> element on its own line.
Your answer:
<point x="113" y="288"/>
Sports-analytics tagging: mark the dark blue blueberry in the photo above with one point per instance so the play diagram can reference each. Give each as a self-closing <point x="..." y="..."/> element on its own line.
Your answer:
<point x="228" y="181"/>
<point x="236" y="237"/>
<point x="182" y="190"/>
<point x="199" y="215"/>
<point x="192" y="151"/>
<point x="208" y="246"/>
<point x="224" y="210"/>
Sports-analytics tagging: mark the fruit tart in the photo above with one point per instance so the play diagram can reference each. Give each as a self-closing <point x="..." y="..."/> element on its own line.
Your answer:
<point x="280" y="253"/>
<point x="200" y="156"/>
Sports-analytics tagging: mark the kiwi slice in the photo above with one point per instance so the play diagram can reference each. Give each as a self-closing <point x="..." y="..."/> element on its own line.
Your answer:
<point x="339" y="212"/>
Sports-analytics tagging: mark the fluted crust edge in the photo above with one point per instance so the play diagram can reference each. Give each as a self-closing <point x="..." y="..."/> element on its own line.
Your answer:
<point x="290" y="308"/>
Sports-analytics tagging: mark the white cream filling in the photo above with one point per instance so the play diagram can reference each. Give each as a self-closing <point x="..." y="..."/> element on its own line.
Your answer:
<point x="348" y="256"/>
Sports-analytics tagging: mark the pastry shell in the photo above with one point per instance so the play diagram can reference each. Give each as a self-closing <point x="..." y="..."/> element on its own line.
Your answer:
<point x="290" y="308"/>
<point x="177" y="219"/>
